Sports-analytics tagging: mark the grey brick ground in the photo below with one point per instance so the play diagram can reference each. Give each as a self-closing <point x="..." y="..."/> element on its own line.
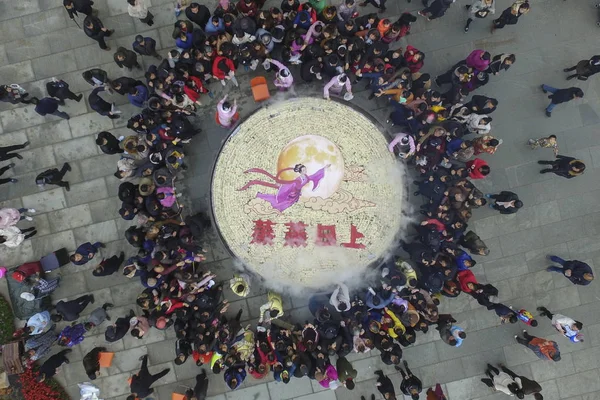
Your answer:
<point x="38" y="41"/>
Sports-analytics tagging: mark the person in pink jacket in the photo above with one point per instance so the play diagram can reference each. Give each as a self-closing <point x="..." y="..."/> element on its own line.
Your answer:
<point x="283" y="78"/>
<point x="327" y="378"/>
<point x="227" y="114"/>
<point x="10" y="216"/>
<point x="166" y="196"/>
<point x="479" y="60"/>
<point x="336" y="86"/>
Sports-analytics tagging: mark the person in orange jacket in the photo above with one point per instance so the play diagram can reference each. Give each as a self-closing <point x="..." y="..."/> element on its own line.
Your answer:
<point x="543" y="348"/>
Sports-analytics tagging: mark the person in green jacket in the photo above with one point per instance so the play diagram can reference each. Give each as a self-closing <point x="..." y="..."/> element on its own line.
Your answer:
<point x="318" y="5"/>
<point x="346" y="373"/>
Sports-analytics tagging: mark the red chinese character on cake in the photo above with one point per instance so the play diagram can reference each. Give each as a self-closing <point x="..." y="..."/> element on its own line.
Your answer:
<point x="325" y="235"/>
<point x="295" y="236"/>
<point x="354" y="236"/>
<point x="263" y="232"/>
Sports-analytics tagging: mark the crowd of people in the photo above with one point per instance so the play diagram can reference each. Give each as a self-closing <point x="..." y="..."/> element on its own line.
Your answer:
<point x="442" y="135"/>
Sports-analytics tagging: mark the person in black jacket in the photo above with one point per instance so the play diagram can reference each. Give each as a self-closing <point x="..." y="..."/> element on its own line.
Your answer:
<point x="141" y="382"/>
<point x="6" y="151"/>
<point x="411" y="385"/>
<point x="584" y="69"/>
<point x="311" y="70"/>
<point x="436" y="9"/>
<point x="567" y="167"/>
<point x="60" y="89"/>
<point x="198" y="14"/>
<point x="70" y="310"/>
<point x="78" y="6"/>
<point x="385" y="385"/>
<point x="481" y="105"/>
<point x="506" y="202"/>
<point x="528" y="386"/>
<point x="48" y="105"/>
<point x="578" y="272"/>
<point x="54" y="177"/>
<point x="119" y="329"/>
<point x="14" y="94"/>
<point x="145" y="46"/>
<point x="95" y="77"/>
<point x="91" y="362"/>
<point x="100" y="105"/>
<point x="559" y="96"/>
<point x="200" y="390"/>
<point x="126" y="58"/>
<point x="124" y="84"/>
<point x="50" y="366"/>
<point x="93" y="27"/>
<point x="108" y="143"/>
<point x="109" y="266"/>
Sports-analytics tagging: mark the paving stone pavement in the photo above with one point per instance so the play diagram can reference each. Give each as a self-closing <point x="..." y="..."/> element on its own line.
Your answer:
<point x="38" y="41"/>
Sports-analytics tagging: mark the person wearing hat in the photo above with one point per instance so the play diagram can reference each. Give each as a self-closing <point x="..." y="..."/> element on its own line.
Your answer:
<point x="240" y="284"/>
<point x="283" y="78"/>
<point x="145" y="46"/>
<point x="336" y="86"/>
<point x="198" y="14"/>
<point x="109" y="266"/>
<point x="118" y="330"/>
<point x="227" y="114"/>
<point x="311" y="70"/>
<point x="140" y="383"/>
<point x="266" y="39"/>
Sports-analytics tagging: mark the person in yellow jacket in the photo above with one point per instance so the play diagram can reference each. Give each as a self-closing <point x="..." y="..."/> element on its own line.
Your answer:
<point x="240" y="284"/>
<point x="398" y="328"/>
<point x="274" y="306"/>
<point x="409" y="273"/>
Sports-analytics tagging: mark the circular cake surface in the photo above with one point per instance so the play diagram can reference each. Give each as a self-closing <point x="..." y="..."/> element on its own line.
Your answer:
<point x="305" y="193"/>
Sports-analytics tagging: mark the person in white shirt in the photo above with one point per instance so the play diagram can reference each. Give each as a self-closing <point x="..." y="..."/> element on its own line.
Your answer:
<point x="568" y="327"/>
<point x="340" y="298"/>
<point x="503" y="382"/>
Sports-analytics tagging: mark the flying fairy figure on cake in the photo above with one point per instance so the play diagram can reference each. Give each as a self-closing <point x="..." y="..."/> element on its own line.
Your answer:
<point x="288" y="192"/>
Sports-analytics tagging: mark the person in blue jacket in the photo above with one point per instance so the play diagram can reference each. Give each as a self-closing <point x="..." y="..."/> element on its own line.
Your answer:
<point x="576" y="271"/>
<point x="214" y="26"/>
<point x="138" y="95"/>
<point x="85" y="252"/>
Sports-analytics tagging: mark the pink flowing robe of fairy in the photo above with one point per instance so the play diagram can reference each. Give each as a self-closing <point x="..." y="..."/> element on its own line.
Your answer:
<point x="288" y="192"/>
<point x="334" y="86"/>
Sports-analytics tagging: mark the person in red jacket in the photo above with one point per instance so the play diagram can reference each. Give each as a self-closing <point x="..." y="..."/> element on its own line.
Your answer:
<point x="467" y="280"/>
<point x="193" y="88"/>
<point x="224" y="70"/>
<point x="478" y="169"/>
<point x="248" y="8"/>
<point x="414" y="58"/>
